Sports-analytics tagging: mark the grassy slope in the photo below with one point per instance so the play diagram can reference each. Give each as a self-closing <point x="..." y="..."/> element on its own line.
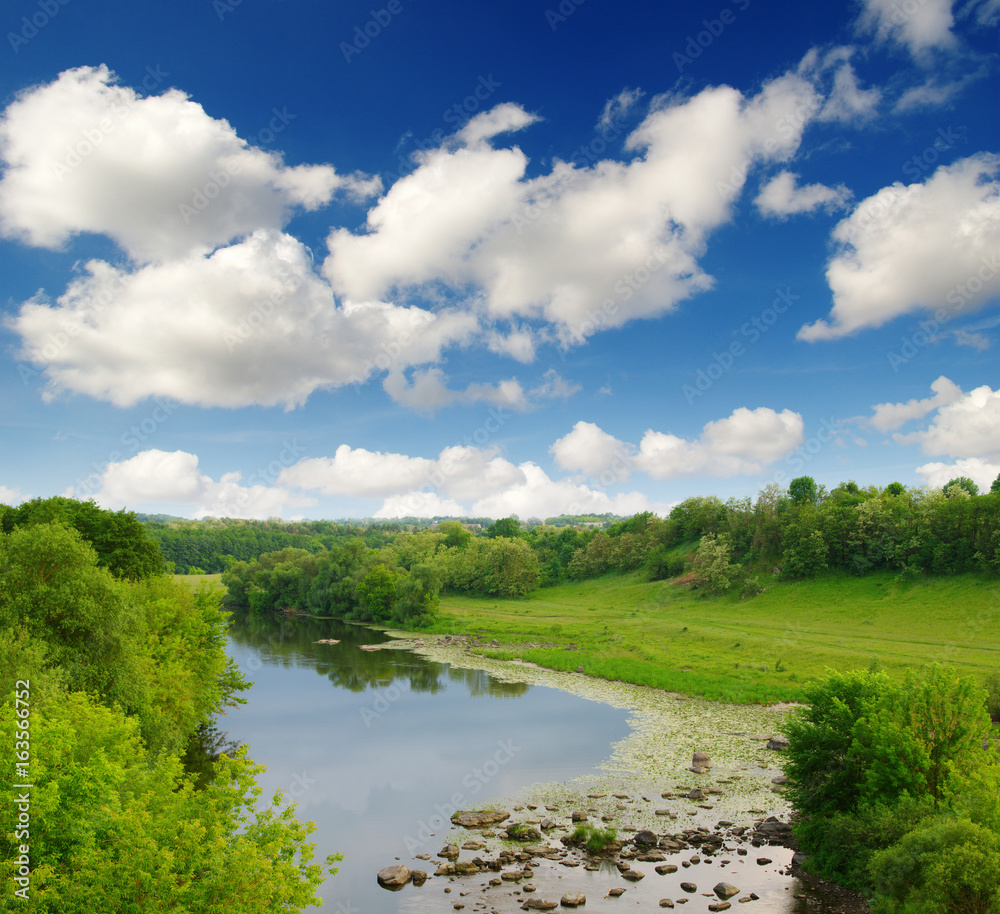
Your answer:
<point x="757" y="650"/>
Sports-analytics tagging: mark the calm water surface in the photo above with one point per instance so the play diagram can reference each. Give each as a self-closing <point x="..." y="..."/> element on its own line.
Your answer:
<point x="377" y="747"/>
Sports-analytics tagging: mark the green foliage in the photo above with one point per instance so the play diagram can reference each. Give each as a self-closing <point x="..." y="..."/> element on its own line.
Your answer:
<point x="965" y="486"/>
<point x="894" y="489"/>
<point x="714" y="571"/>
<point x="377" y="593"/>
<point x="946" y="864"/>
<point x="992" y="686"/>
<point x="114" y="828"/>
<point x="594" y="838"/>
<point x="508" y="527"/>
<point x="995" y="486"/>
<point x="802" y="490"/>
<point x="120" y="541"/>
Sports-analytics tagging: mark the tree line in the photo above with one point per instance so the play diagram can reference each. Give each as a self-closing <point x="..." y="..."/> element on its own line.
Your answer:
<point x="109" y="671"/>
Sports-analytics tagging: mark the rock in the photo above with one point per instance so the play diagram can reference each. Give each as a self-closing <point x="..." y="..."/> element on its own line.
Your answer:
<point x="663" y="812"/>
<point x="418" y="877"/>
<point x="722" y="906"/>
<point x="651" y="857"/>
<point x="474" y="845"/>
<point x="645" y="838"/>
<point x="763" y="861"/>
<point x="777" y="743"/>
<point x="615" y="892"/>
<point x="449" y="852"/>
<point x="479" y="819"/>
<point x="724" y="890"/>
<point x="579" y="815"/>
<point x="633" y="875"/>
<point x="689" y="887"/>
<point x="697" y="769"/>
<point x="538" y="904"/>
<point x="522" y="833"/>
<point x="394" y="877"/>
<point x="666" y="869"/>
<point x="696" y="794"/>
<point x="579" y="669"/>
<point x="701" y="760"/>
<point x="666" y="903"/>
<point x="573" y="900"/>
<point x="773" y="828"/>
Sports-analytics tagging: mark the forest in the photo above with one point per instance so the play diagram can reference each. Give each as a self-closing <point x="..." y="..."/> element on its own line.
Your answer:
<point x="381" y="573"/>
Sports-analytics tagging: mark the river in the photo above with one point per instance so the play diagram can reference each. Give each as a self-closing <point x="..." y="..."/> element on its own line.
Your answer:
<point x="379" y="747"/>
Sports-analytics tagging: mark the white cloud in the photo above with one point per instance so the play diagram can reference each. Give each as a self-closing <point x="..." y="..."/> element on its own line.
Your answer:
<point x="968" y="426"/>
<point x="743" y="443"/>
<point x="554" y="387"/>
<point x="10" y="496"/>
<point x="540" y="496"/>
<point x="890" y="416"/>
<point x="155" y="477"/>
<point x="922" y="246"/>
<point x="981" y="472"/>
<point x="251" y="324"/>
<point x="457" y="472"/>
<point x="591" y="450"/>
<point x="919" y="25"/>
<point x="427" y="391"/>
<point x="581" y="248"/>
<point x="420" y="504"/>
<point x="619" y="107"/>
<point x="156" y="174"/>
<point x="781" y="198"/>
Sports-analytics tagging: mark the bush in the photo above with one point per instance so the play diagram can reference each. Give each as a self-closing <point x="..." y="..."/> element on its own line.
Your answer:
<point x="945" y="865"/>
<point x="992" y="685"/>
<point x="593" y="838"/>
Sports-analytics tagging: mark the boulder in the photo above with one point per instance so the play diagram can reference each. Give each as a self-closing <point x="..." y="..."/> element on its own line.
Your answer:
<point x="479" y="819"/>
<point x="633" y="875"/>
<point x="449" y="852"/>
<point x="689" y="887"/>
<point x="579" y="815"/>
<point x="724" y="890"/>
<point x="418" y="877"/>
<point x="777" y="743"/>
<point x="645" y="838"/>
<point x="573" y="900"/>
<point x="616" y="892"/>
<point x="666" y="903"/>
<point x="538" y="904"/>
<point x="394" y="877"/>
<point x="721" y="906"/>
<point x="666" y="869"/>
<point x="701" y="760"/>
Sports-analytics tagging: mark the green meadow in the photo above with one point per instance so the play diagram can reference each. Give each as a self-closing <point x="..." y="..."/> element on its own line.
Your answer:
<point x="762" y="649"/>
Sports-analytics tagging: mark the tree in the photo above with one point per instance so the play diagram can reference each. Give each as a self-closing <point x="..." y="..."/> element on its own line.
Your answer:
<point x="377" y="593"/>
<point x="509" y="527"/>
<point x="455" y="533"/>
<point x="894" y="489"/>
<point x="802" y="490"/>
<point x="964" y="484"/>
<point x="117" y="828"/>
<point x="995" y="487"/>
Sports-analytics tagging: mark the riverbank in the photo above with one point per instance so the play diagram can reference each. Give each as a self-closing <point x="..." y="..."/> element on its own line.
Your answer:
<point x="696" y="828"/>
<point x="757" y="651"/>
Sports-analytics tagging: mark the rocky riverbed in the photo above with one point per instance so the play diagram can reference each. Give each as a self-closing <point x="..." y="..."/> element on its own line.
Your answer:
<point x="694" y="797"/>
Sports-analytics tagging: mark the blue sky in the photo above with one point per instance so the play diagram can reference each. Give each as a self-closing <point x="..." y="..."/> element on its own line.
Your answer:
<point x="379" y="259"/>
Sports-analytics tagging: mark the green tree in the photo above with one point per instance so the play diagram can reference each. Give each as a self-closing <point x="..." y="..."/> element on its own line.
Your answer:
<point x="995" y="487"/>
<point x="895" y="489"/>
<point x="377" y="593"/>
<point x="508" y="527"/>
<point x="115" y="828"/>
<point x="966" y="485"/>
<point x="802" y="490"/>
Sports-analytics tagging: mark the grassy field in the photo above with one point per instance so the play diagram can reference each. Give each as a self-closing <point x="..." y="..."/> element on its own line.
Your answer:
<point x="759" y="650"/>
<point x="193" y="580"/>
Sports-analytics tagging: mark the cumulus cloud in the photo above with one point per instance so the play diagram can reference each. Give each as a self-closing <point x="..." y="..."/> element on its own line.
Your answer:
<point x="156" y="174"/>
<point x="981" y="472"/>
<point x="457" y="472"/>
<point x="10" y="496"/>
<point x="250" y="324"/>
<point x="427" y="391"/>
<point x="155" y="477"/>
<point x="889" y="416"/>
<point x="580" y="248"/>
<point x="916" y="247"/>
<point x="743" y="443"/>
<point x="782" y="197"/>
<point x="919" y="25"/>
<point x="965" y="426"/>
<point x="591" y="450"/>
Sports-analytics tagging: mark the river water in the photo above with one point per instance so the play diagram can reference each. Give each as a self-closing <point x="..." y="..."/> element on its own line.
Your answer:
<point x="379" y="747"/>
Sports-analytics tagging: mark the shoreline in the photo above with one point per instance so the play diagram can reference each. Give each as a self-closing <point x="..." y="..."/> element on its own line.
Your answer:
<point x="650" y="771"/>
